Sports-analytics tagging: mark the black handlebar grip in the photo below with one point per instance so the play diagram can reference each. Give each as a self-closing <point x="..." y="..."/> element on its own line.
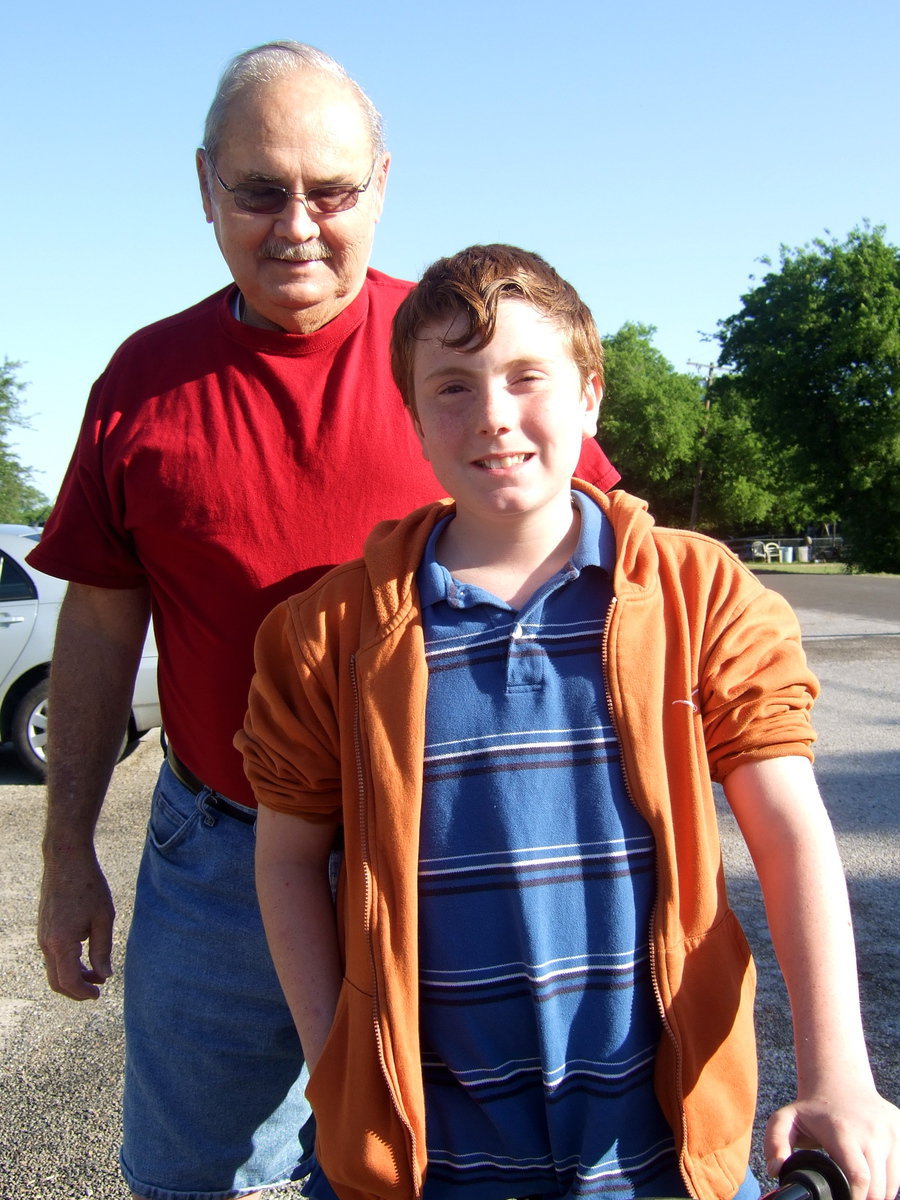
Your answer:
<point x="811" y="1175"/>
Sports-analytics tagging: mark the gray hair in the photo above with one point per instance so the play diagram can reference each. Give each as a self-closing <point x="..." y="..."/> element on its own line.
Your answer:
<point x="274" y="60"/>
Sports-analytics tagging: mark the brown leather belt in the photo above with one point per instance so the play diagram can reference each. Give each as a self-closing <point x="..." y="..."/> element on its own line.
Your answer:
<point x="215" y="800"/>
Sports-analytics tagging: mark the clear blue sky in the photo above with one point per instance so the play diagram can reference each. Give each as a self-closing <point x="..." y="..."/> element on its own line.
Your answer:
<point x="652" y="151"/>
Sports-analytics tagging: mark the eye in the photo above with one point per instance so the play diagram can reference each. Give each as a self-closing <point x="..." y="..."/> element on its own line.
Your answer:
<point x="260" y="197"/>
<point x="331" y="199"/>
<point x="529" y="379"/>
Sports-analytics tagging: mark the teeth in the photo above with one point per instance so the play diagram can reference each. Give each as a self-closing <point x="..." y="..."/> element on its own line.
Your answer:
<point x="508" y="460"/>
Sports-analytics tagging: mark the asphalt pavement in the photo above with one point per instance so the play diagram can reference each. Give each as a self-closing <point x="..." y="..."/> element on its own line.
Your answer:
<point x="61" y="1062"/>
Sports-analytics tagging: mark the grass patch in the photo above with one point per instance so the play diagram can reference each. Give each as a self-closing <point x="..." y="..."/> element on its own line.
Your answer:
<point x="798" y="568"/>
<point x="762" y="568"/>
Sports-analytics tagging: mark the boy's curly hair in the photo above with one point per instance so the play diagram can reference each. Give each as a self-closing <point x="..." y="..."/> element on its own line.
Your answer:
<point x="470" y="285"/>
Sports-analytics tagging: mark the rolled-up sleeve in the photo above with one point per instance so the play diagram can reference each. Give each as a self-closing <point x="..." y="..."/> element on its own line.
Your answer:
<point x="756" y="690"/>
<point x="290" y="741"/>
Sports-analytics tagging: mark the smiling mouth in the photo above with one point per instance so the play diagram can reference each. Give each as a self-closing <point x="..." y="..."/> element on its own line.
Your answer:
<point x="501" y="462"/>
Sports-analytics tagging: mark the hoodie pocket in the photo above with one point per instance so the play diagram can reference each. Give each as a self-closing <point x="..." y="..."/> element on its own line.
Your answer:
<point x="361" y="1142"/>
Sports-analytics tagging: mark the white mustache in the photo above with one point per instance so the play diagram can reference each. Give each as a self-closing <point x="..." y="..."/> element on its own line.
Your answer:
<point x="313" y="251"/>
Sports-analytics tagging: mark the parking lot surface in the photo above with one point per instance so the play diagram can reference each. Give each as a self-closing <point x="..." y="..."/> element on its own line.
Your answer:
<point x="60" y="1062"/>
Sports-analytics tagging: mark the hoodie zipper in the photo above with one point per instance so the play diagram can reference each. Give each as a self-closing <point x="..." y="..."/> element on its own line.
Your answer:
<point x="367" y="876"/>
<point x="654" y="974"/>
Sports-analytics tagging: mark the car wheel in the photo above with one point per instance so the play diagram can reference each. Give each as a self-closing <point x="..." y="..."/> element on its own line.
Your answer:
<point x="29" y="729"/>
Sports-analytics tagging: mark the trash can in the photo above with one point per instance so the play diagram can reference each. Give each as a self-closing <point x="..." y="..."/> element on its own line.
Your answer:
<point x="803" y="554"/>
<point x="786" y="554"/>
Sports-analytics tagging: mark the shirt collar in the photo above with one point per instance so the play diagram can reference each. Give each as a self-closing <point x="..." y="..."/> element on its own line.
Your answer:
<point x="596" y="548"/>
<point x="596" y="540"/>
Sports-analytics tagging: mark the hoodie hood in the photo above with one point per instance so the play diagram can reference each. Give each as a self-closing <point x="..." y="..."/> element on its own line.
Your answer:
<point x="393" y="545"/>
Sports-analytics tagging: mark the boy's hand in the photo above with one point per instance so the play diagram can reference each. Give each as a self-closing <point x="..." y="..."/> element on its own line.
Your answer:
<point x="860" y="1130"/>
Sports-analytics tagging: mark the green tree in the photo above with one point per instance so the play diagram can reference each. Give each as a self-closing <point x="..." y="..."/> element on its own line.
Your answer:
<point x="815" y="358"/>
<point x="20" y="500"/>
<point x="749" y="483"/>
<point x="651" y="423"/>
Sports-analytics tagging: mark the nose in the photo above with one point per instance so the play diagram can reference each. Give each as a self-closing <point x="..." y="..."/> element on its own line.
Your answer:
<point x="496" y="414"/>
<point x="295" y="223"/>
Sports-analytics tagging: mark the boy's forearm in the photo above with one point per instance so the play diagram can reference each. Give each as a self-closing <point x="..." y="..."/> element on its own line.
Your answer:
<point x="298" y="913"/>
<point x="792" y="844"/>
<point x="837" y="1107"/>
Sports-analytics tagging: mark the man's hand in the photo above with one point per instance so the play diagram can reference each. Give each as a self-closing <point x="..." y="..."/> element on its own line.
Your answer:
<point x="99" y="636"/>
<point x="859" y="1129"/>
<point x="76" y="907"/>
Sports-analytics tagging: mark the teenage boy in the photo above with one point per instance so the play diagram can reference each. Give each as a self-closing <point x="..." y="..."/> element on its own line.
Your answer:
<point x="512" y="706"/>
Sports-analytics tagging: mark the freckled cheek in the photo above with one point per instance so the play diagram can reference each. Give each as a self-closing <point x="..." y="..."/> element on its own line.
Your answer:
<point x="444" y="433"/>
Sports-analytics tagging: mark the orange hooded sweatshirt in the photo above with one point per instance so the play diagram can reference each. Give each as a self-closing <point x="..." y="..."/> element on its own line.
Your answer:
<point x="704" y="671"/>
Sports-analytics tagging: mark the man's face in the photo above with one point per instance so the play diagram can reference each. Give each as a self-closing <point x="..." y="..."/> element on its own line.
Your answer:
<point x="296" y="270"/>
<point x="502" y="426"/>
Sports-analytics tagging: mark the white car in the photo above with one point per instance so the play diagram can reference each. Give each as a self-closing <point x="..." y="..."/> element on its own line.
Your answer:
<point x="29" y="606"/>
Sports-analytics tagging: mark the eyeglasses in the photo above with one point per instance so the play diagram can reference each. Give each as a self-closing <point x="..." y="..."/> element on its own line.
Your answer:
<point x="268" y="199"/>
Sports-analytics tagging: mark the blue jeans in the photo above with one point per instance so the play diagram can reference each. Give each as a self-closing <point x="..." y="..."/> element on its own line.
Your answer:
<point x="214" y="1103"/>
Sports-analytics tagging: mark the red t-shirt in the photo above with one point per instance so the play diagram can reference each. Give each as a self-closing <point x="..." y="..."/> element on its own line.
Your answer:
<point x="228" y="467"/>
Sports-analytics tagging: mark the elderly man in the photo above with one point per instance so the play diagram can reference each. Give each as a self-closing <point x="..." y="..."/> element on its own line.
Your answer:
<point x="229" y="455"/>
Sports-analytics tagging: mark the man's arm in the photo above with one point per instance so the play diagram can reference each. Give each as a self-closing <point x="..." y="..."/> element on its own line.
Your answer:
<point x="298" y="912"/>
<point x="791" y="841"/>
<point x="99" y="638"/>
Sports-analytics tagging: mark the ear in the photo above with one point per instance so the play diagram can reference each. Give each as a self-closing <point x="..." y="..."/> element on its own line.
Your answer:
<point x="379" y="183"/>
<point x="203" y="177"/>
<point x="592" y="395"/>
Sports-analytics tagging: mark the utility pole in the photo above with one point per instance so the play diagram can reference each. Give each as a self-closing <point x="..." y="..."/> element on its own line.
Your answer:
<point x="710" y="369"/>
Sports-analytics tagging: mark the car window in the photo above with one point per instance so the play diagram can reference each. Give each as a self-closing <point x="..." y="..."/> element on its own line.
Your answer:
<point x="14" y="583"/>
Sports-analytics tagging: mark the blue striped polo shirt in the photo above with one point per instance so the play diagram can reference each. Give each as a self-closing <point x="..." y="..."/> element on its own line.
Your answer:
<point x="539" y="1024"/>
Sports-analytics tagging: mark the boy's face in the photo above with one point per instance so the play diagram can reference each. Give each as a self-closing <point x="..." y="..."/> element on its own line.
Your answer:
<point x="502" y="426"/>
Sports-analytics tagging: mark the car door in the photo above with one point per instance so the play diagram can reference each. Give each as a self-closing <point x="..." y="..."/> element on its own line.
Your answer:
<point x="18" y="612"/>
